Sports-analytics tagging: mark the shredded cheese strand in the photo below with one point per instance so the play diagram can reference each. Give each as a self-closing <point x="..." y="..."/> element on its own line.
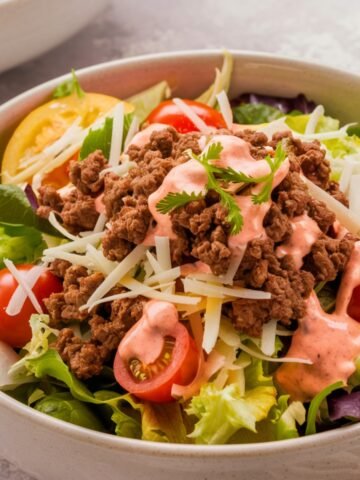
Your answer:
<point x="165" y="276"/>
<point x="19" y="296"/>
<point x="268" y="337"/>
<point x="216" y="291"/>
<point x="314" y="118"/>
<point x="255" y="354"/>
<point x="23" y="283"/>
<point x="78" y="245"/>
<point x="192" y="116"/>
<point x="225" y="108"/>
<point x="133" y="129"/>
<point x="212" y="319"/>
<point x="116" y="134"/>
<point x="54" y="222"/>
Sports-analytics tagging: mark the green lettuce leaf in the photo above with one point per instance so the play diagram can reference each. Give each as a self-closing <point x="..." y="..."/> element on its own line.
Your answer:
<point x="64" y="407"/>
<point x="145" y="101"/>
<point x="100" y="139"/>
<point x="286" y="417"/>
<point x="325" y="124"/>
<point x="221" y="412"/>
<point x="255" y="113"/>
<point x="15" y="210"/>
<point x="20" y="244"/>
<point x="163" y="423"/>
<point x="50" y="364"/>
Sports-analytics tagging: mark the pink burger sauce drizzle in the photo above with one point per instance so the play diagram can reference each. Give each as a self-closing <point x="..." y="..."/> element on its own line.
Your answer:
<point x="305" y="233"/>
<point x="330" y="341"/>
<point x="191" y="177"/>
<point x="158" y="321"/>
<point x="143" y="137"/>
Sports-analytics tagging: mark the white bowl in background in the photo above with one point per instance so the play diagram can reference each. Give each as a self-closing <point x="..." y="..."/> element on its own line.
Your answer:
<point x="53" y="450"/>
<point x="29" y="28"/>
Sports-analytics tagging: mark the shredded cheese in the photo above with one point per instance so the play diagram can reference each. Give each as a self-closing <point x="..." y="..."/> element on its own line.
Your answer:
<point x="346" y="174"/>
<point x="162" y="245"/>
<point x="82" y="260"/>
<point x="133" y="129"/>
<point x="258" y="355"/>
<point x="314" y="118"/>
<point x="192" y="116"/>
<point x="120" y="170"/>
<point x="354" y="194"/>
<point x="165" y="276"/>
<point x="132" y="284"/>
<point x="217" y="291"/>
<point x="100" y="223"/>
<point x="19" y="296"/>
<point x="23" y="283"/>
<point x="117" y="134"/>
<point x="225" y="108"/>
<point x="268" y="337"/>
<point x="211" y="323"/>
<point x="78" y="245"/>
<point x="60" y="228"/>
<point x="153" y="262"/>
<point x="103" y="265"/>
<point x="117" y="274"/>
<point x="346" y="217"/>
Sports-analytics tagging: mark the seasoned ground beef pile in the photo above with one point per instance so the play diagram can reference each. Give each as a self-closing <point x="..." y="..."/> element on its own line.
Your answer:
<point x="202" y="234"/>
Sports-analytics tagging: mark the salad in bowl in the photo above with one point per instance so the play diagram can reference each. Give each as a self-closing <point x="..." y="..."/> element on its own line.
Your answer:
<point x="182" y="270"/>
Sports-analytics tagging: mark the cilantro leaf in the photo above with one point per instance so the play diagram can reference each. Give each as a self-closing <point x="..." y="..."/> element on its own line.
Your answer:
<point x="69" y="87"/>
<point x="274" y="164"/>
<point x="176" y="200"/>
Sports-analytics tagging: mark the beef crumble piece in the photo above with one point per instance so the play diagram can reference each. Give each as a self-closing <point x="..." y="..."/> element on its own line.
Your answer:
<point x="328" y="257"/>
<point x="203" y="229"/>
<point x="125" y="199"/>
<point x="85" y="174"/>
<point x="78" y="285"/>
<point x="87" y="358"/>
<point x="289" y="288"/>
<point x="79" y="212"/>
<point x="49" y="200"/>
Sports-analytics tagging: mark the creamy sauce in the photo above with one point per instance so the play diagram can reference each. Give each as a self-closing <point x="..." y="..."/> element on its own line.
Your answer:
<point x="158" y="321"/>
<point x="143" y="137"/>
<point x="187" y="177"/>
<point x="191" y="177"/>
<point x="305" y="233"/>
<point x="196" y="267"/>
<point x="331" y="342"/>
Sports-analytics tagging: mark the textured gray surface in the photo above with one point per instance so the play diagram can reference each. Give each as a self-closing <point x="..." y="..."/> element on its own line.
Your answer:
<point x="325" y="31"/>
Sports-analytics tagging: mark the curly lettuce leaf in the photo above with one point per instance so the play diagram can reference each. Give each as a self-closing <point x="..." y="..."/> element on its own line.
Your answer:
<point x="42" y="336"/>
<point x="50" y="364"/>
<point x="64" y="407"/>
<point x="222" y="412"/>
<point x="325" y="124"/>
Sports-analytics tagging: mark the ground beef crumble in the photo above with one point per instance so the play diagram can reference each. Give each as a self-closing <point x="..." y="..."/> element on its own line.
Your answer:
<point x="202" y="233"/>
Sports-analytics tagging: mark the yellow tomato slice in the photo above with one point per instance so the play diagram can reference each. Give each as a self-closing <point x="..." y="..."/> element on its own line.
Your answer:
<point x="47" y="123"/>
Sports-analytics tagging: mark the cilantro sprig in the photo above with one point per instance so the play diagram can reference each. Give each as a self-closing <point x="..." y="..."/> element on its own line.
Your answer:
<point x="172" y="201"/>
<point x="218" y="178"/>
<point x="69" y="87"/>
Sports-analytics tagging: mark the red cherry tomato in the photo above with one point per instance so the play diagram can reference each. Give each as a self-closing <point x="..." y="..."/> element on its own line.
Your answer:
<point x="177" y="364"/>
<point x="354" y="305"/>
<point x="15" y="329"/>
<point x="170" y="114"/>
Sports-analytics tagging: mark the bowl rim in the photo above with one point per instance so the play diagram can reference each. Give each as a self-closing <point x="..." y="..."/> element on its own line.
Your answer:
<point x="174" y="449"/>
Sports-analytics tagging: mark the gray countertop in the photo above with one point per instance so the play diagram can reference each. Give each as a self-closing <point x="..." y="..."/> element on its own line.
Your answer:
<point x="326" y="31"/>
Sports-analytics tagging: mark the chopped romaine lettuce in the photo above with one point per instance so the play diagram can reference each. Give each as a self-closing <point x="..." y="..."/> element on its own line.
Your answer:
<point x="286" y="417"/>
<point x="325" y="124"/>
<point x="222" y="412"/>
<point x="145" y="101"/>
<point x="222" y="81"/>
<point x="163" y="423"/>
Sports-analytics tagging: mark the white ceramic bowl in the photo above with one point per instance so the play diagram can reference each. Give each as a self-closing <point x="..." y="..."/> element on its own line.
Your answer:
<point x="29" y="28"/>
<point x="54" y="450"/>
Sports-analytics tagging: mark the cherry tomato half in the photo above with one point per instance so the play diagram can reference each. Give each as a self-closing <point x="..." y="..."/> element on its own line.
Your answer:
<point x="354" y="305"/>
<point x="177" y="364"/>
<point x="170" y="114"/>
<point x="15" y="329"/>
